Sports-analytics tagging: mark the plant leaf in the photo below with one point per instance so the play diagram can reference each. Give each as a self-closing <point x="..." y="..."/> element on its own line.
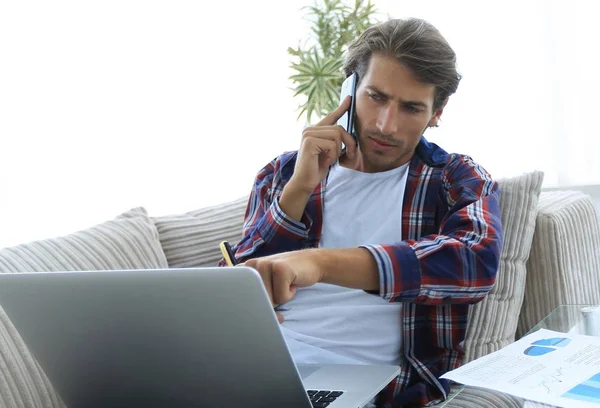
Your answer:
<point x="317" y="69"/>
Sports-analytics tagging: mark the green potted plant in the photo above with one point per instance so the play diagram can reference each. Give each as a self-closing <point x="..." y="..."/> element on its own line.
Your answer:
<point x="317" y="64"/>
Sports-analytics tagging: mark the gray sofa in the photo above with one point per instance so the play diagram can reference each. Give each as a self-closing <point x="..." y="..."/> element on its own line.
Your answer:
<point x="551" y="256"/>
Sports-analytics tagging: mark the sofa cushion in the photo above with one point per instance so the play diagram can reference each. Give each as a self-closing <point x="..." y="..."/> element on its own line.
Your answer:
<point x="493" y="322"/>
<point x="129" y="241"/>
<point x="564" y="266"/>
<point x="192" y="239"/>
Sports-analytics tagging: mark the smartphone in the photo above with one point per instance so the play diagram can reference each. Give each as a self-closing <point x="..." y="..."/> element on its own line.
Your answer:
<point x="349" y="88"/>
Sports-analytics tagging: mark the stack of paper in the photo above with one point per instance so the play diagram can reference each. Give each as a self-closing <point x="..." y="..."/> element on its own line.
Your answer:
<point x="553" y="368"/>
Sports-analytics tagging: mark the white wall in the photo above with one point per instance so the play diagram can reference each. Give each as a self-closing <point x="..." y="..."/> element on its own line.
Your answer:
<point x="114" y="104"/>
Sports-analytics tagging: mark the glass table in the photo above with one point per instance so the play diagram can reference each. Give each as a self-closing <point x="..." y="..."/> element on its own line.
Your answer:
<point x="572" y="319"/>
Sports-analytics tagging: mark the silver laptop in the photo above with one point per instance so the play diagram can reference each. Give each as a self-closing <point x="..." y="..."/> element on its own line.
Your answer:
<point x="198" y="337"/>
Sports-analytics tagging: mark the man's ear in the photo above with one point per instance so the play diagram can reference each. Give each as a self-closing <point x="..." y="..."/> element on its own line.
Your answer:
<point x="433" y="122"/>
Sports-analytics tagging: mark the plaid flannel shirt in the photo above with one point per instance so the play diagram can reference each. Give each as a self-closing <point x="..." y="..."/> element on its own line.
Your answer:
<point x="448" y="259"/>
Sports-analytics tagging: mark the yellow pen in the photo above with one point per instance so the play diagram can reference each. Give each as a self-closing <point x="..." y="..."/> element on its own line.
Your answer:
<point x="227" y="253"/>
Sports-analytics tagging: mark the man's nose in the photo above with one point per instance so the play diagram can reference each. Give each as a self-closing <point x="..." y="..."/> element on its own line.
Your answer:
<point x="388" y="120"/>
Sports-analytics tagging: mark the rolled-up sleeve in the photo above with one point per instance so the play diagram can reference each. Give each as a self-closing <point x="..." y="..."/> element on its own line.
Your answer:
<point x="267" y="228"/>
<point x="457" y="265"/>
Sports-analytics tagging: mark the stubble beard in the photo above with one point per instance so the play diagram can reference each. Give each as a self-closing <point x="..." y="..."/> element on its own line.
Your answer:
<point x="379" y="161"/>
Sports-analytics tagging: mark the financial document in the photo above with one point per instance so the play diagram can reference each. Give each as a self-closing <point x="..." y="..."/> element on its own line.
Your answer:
<point x="558" y="369"/>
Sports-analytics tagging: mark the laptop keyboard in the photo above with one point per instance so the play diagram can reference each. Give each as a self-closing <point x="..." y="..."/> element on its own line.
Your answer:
<point x="322" y="398"/>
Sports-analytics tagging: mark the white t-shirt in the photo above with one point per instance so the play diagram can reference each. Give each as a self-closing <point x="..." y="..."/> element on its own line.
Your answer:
<point x="329" y="324"/>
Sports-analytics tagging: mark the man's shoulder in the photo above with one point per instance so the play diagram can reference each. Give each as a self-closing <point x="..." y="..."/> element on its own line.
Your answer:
<point x="281" y="166"/>
<point x="433" y="155"/>
<point x="285" y="159"/>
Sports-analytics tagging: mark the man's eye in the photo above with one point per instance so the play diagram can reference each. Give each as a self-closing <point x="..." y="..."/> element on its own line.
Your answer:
<point x="375" y="97"/>
<point x="413" y="109"/>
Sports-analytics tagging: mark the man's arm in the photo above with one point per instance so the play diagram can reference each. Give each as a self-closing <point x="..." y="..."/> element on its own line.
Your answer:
<point x="457" y="265"/>
<point x="275" y="218"/>
<point x="267" y="228"/>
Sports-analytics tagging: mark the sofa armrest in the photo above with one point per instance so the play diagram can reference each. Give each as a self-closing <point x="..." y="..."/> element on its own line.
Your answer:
<point x="473" y="397"/>
<point x="22" y="381"/>
<point x="564" y="263"/>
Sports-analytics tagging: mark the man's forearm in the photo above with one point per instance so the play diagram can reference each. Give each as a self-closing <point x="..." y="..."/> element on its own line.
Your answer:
<point x="351" y="268"/>
<point x="293" y="201"/>
<point x="282" y="273"/>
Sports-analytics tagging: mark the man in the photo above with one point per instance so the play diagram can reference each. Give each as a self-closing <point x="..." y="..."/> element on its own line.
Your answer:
<point x="373" y="253"/>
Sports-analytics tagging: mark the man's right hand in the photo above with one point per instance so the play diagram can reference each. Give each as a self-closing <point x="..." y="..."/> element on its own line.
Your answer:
<point x="321" y="146"/>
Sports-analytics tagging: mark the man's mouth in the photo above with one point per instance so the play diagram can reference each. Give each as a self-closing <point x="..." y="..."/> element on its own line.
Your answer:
<point x="383" y="142"/>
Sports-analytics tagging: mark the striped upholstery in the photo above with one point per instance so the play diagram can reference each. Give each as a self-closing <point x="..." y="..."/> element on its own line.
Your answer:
<point x="192" y="239"/>
<point x="471" y="397"/>
<point x="493" y="322"/>
<point x="23" y="383"/>
<point x="564" y="265"/>
<point x="562" y="268"/>
<point x="128" y="242"/>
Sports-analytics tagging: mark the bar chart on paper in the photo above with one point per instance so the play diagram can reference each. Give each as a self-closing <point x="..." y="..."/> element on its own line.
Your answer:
<point x="552" y="368"/>
<point x="588" y="390"/>
<point x="545" y="346"/>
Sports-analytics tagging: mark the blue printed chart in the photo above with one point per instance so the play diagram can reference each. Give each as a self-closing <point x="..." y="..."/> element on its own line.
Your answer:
<point x="588" y="390"/>
<point x="545" y="346"/>
<point x="548" y="367"/>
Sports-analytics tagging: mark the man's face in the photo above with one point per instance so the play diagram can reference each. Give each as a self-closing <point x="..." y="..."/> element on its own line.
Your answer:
<point x="393" y="110"/>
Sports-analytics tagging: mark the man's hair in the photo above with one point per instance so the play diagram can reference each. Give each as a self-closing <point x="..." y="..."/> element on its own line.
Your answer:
<point x="414" y="43"/>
